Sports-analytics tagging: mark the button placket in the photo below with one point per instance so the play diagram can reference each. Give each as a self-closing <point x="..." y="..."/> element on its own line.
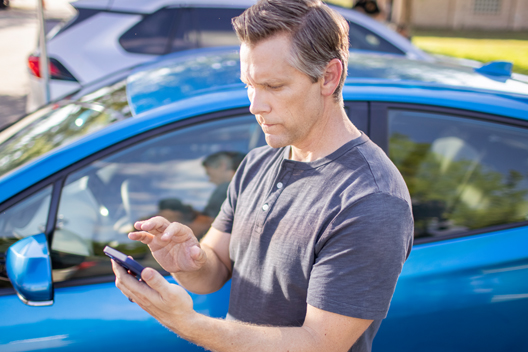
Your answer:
<point x="277" y="188"/>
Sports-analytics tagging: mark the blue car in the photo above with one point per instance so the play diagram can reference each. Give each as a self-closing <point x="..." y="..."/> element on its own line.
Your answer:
<point x="75" y="176"/>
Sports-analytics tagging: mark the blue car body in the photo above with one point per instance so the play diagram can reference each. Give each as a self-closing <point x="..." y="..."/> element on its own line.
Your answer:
<point x="463" y="287"/>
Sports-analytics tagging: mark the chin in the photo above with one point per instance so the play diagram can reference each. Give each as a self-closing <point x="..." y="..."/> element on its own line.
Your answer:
<point x="275" y="142"/>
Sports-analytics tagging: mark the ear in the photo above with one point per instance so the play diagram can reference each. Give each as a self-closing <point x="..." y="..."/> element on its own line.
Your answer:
<point x="331" y="77"/>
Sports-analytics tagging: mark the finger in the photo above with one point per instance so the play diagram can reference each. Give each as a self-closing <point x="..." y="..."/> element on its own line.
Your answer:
<point x="154" y="280"/>
<point x="155" y="225"/>
<point x="177" y="232"/>
<point x="142" y="236"/>
<point x="122" y="280"/>
<point x="198" y="255"/>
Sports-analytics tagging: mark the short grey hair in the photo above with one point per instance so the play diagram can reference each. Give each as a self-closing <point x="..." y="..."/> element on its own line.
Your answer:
<point x="318" y="33"/>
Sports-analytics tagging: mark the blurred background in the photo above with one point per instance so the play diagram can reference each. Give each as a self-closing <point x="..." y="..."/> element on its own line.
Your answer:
<point x="474" y="30"/>
<point x="18" y="38"/>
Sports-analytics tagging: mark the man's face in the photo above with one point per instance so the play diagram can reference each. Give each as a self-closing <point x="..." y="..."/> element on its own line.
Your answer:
<point x="285" y="101"/>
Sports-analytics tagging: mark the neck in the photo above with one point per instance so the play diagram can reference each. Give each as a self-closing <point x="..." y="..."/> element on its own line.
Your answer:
<point x="326" y="137"/>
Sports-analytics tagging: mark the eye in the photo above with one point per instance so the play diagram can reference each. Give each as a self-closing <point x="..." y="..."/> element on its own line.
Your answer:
<point x="275" y="87"/>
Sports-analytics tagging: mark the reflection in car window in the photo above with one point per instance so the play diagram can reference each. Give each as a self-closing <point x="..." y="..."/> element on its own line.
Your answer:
<point x="63" y="125"/>
<point x="179" y="175"/>
<point x="361" y="38"/>
<point x="463" y="174"/>
<point x="26" y="218"/>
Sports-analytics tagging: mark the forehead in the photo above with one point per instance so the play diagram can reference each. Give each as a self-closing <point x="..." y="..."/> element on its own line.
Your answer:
<point x="268" y="59"/>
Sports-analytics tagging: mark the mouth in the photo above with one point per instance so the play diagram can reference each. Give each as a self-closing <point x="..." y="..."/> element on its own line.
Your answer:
<point x="267" y="128"/>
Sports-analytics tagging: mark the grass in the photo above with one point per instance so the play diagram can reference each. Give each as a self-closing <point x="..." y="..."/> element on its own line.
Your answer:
<point x="479" y="46"/>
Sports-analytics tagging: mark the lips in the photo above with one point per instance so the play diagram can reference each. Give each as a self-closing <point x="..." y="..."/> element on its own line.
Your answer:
<point x="267" y="128"/>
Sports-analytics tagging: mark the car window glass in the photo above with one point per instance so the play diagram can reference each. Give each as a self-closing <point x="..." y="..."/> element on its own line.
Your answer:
<point x="151" y="34"/>
<point x="205" y="27"/>
<point x="182" y="175"/>
<point x="361" y="38"/>
<point x="463" y="174"/>
<point x="38" y="134"/>
<point x="26" y="218"/>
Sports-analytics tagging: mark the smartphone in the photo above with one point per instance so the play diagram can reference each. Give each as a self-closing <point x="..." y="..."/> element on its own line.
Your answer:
<point x="125" y="261"/>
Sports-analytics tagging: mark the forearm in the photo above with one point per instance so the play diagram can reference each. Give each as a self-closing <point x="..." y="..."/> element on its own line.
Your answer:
<point x="209" y="278"/>
<point x="230" y="336"/>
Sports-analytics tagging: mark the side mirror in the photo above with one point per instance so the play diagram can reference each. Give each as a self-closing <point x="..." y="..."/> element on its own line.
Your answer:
<point x="28" y="266"/>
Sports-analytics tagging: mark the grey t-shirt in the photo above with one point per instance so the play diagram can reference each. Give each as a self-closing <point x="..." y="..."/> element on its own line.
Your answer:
<point x="333" y="233"/>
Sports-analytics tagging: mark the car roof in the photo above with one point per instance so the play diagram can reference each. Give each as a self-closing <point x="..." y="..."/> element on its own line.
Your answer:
<point x="371" y="78"/>
<point x="378" y="68"/>
<point x="145" y="7"/>
<point x="183" y="75"/>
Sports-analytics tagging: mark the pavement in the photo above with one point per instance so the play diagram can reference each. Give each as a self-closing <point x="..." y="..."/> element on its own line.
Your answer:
<point x="18" y="38"/>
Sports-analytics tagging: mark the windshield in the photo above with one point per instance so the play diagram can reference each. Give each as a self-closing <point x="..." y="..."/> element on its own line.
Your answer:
<point x="61" y="124"/>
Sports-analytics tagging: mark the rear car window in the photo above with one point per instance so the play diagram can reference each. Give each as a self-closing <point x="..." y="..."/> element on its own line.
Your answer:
<point x="175" y="29"/>
<point x="151" y="35"/>
<point x="361" y="38"/>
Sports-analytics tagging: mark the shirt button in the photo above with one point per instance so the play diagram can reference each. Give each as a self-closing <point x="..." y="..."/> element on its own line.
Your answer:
<point x="279" y="185"/>
<point x="265" y="207"/>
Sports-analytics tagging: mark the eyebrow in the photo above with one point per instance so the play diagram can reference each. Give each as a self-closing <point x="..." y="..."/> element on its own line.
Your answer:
<point x="271" y="82"/>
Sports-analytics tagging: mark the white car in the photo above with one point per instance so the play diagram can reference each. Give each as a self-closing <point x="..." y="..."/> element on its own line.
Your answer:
<point x="107" y="36"/>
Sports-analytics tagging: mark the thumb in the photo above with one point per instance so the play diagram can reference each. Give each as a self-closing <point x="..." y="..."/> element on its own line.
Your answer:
<point x="154" y="279"/>
<point x="198" y="255"/>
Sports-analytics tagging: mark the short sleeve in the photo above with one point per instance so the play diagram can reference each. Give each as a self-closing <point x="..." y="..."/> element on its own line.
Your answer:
<point x="360" y="256"/>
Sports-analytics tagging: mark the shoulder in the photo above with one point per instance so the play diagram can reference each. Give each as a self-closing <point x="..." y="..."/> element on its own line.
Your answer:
<point x="263" y="153"/>
<point x="383" y="175"/>
<point x="261" y="157"/>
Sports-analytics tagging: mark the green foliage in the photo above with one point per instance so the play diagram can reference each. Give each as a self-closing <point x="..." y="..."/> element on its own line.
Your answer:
<point x="483" y="50"/>
<point x="459" y="194"/>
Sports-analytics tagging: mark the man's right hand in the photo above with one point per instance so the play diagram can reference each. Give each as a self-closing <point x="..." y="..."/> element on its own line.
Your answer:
<point x="173" y="245"/>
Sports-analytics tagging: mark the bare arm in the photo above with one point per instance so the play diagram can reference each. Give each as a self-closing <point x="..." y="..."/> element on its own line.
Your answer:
<point x="172" y="306"/>
<point x="321" y="331"/>
<point x="215" y="271"/>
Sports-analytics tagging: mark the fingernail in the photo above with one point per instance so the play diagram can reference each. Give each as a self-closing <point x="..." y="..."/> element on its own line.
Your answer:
<point x="165" y="236"/>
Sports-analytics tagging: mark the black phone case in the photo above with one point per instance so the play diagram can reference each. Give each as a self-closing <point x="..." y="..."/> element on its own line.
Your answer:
<point x="123" y="260"/>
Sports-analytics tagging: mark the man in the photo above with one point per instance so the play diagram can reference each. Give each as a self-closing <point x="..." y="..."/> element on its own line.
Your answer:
<point x="220" y="167"/>
<point x="315" y="228"/>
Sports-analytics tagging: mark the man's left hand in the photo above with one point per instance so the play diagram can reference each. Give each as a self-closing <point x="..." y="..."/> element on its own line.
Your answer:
<point x="170" y="304"/>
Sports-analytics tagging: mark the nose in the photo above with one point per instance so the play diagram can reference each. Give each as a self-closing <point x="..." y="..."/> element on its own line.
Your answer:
<point x="259" y="102"/>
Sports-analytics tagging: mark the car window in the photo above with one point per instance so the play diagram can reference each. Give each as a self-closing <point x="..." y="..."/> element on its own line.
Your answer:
<point x="60" y="125"/>
<point x="180" y="175"/>
<point x="361" y="38"/>
<point x="151" y="34"/>
<point x="463" y="174"/>
<point x="26" y="218"/>
<point x="205" y="27"/>
<point x="175" y="29"/>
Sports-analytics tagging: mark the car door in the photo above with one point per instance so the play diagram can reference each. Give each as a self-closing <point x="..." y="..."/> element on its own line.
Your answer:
<point x="464" y="286"/>
<point x="95" y="203"/>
